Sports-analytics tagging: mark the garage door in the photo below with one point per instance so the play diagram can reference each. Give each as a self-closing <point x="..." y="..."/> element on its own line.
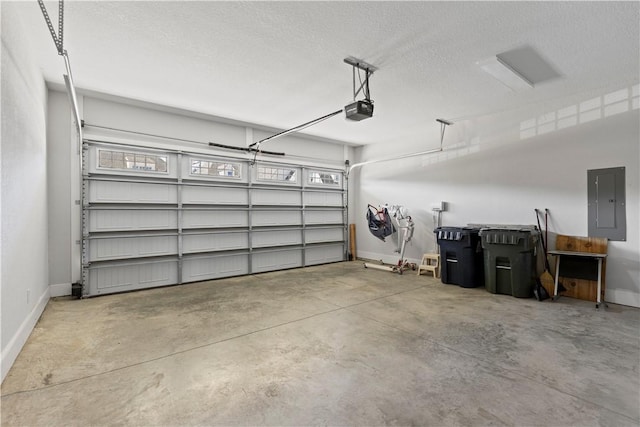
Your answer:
<point x="154" y="218"/>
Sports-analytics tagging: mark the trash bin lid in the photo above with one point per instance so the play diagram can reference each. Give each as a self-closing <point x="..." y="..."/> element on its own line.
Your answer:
<point x="524" y="228"/>
<point x="509" y="235"/>
<point x="455" y="233"/>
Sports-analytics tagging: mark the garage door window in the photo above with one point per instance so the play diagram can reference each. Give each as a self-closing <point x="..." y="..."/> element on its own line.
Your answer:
<point x="127" y="160"/>
<point x="324" y="178"/>
<point x="270" y="173"/>
<point x="217" y="169"/>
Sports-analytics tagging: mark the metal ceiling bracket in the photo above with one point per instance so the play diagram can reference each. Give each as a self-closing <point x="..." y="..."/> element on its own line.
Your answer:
<point x="443" y="127"/>
<point x="57" y="39"/>
<point x="359" y="64"/>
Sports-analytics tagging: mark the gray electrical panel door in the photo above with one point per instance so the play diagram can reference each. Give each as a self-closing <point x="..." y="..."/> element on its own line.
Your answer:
<point x="606" y="198"/>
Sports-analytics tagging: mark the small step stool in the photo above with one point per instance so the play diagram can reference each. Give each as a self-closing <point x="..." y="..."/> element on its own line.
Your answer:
<point x="430" y="262"/>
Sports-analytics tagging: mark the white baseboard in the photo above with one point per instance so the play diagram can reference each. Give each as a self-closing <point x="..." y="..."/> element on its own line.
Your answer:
<point x="10" y="353"/>
<point x="623" y="297"/>
<point x="60" y="290"/>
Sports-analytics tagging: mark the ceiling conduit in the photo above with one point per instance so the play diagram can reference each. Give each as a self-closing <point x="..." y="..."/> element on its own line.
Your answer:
<point x="443" y="126"/>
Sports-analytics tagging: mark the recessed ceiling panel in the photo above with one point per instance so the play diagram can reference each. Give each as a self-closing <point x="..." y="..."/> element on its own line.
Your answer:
<point x="528" y="63"/>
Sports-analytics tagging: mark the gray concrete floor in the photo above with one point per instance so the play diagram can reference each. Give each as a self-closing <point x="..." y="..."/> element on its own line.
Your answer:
<point x="327" y="345"/>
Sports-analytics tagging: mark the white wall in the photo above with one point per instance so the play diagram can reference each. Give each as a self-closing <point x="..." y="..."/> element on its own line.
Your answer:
<point x="24" y="289"/>
<point x="60" y="203"/>
<point x="501" y="176"/>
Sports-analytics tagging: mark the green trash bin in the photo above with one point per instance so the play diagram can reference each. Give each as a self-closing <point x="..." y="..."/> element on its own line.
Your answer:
<point x="510" y="260"/>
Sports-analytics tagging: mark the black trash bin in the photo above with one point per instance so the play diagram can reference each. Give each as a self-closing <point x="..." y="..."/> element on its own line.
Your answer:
<point x="461" y="256"/>
<point x="510" y="260"/>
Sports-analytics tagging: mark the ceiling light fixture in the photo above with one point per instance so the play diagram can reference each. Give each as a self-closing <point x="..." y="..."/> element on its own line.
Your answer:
<point x="505" y="74"/>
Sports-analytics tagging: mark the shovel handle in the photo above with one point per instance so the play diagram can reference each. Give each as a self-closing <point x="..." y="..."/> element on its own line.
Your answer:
<point x="542" y="240"/>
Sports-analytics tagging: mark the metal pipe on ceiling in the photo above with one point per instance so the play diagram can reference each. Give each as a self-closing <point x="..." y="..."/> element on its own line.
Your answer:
<point x="443" y="126"/>
<point x="388" y="159"/>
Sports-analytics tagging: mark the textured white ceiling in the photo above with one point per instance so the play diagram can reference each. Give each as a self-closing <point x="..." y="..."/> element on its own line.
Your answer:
<point x="280" y="64"/>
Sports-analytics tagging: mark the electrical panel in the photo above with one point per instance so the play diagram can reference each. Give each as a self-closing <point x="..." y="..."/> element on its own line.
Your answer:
<point x="606" y="203"/>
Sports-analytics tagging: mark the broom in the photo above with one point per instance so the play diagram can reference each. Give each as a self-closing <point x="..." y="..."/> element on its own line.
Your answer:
<point x="546" y="279"/>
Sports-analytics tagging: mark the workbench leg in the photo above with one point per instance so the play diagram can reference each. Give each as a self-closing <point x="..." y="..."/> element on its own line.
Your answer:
<point x="598" y="298"/>
<point x="555" y="287"/>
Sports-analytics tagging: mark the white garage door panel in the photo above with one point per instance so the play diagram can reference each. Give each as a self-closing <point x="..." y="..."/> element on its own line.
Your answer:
<point x="192" y="243"/>
<point x="132" y="247"/>
<point x="214" y="195"/>
<point x="317" y="198"/>
<point x="323" y="217"/>
<point x="276" y="197"/>
<point x="131" y="192"/>
<point x="214" y="219"/>
<point x="261" y="239"/>
<point x="115" y="278"/>
<point x="214" y="267"/>
<point x="129" y="219"/>
<point x="274" y="218"/>
<point x="276" y="260"/>
<point x="155" y="217"/>
<point x="324" y="254"/>
<point x="324" y="235"/>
